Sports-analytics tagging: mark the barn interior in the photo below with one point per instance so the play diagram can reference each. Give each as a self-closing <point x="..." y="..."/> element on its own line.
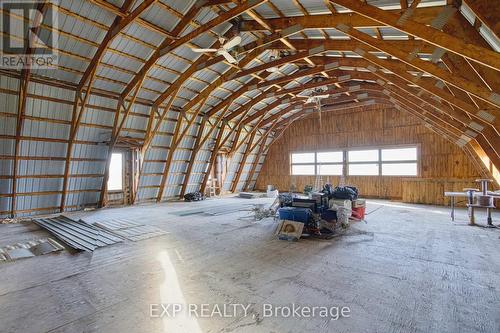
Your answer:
<point x="250" y="166"/>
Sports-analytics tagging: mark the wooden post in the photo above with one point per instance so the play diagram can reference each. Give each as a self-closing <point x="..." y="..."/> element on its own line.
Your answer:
<point x="166" y="169"/>
<point x="117" y="127"/>
<point x="192" y="159"/>
<point x="255" y="163"/>
<point x="75" y="125"/>
<point x="213" y="157"/>
<point x="241" y="166"/>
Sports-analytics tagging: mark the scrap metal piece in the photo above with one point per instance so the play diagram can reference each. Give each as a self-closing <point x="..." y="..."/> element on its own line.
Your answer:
<point x="44" y="248"/>
<point x="19" y="253"/>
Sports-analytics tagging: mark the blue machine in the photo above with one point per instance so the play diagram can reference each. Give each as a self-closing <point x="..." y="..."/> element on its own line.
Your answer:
<point x="329" y="215"/>
<point x="295" y="214"/>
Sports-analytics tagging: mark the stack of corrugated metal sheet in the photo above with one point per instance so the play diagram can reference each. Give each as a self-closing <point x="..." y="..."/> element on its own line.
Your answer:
<point x="78" y="234"/>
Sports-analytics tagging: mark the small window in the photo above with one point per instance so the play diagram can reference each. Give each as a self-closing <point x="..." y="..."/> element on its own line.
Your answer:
<point x="330" y="169"/>
<point x="363" y="169"/>
<point x="303" y="169"/>
<point x="115" y="180"/>
<point x="399" y="154"/>
<point x="330" y="157"/>
<point x="363" y="155"/>
<point x="399" y="169"/>
<point x="303" y="158"/>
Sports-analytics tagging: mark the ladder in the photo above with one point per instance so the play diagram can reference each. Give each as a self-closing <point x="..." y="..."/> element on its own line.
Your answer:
<point x="318" y="183"/>
<point x="342" y="181"/>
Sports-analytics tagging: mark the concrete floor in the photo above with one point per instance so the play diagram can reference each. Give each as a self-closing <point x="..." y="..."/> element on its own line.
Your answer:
<point x="410" y="269"/>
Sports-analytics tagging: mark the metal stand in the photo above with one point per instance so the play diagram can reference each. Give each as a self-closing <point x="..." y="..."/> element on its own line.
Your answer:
<point x="475" y="199"/>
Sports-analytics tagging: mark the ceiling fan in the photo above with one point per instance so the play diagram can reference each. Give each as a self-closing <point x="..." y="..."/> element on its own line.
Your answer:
<point x="315" y="95"/>
<point x="225" y="48"/>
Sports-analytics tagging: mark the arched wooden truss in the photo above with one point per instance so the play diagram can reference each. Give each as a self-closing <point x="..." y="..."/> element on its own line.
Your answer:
<point x="432" y="60"/>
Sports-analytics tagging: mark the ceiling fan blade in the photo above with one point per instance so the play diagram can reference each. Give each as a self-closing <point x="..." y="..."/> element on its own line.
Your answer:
<point x="228" y="57"/>
<point x="232" y="43"/>
<point x="203" y="50"/>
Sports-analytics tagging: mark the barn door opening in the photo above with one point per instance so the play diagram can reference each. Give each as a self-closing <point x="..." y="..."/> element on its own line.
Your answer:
<point x="115" y="181"/>
<point x="118" y="182"/>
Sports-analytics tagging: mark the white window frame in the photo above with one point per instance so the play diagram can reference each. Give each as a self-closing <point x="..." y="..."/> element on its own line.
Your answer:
<point x="345" y="161"/>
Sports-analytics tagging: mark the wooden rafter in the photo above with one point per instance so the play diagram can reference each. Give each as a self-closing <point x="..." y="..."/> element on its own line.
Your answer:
<point x="242" y="162"/>
<point x="120" y="23"/>
<point x="422" y="65"/>
<point x="397" y="69"/>
<point x="78" y="111"/>
<point x="174" y="142"/>
<point x="168" y="46"/>
<point x="432" y="36"/>
<point x="213" y="157"/>
<point x="255" y="163"/>
<point x="189" y="169"/>
<point x="117" y="128"/>
<point x="488" y="13"/>
<point x="324" y="21"/>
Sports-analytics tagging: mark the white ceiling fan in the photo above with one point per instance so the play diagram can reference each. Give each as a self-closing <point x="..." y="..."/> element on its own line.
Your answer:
<point x="314" y="95"/>
<point x="224" y="49"/>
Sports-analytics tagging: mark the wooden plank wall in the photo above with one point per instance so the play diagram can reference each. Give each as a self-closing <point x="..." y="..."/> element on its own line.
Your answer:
<point x="443" y="165"/>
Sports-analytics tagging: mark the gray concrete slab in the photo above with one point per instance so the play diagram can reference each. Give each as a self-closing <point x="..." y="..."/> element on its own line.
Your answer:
<point x="410" y="269"/>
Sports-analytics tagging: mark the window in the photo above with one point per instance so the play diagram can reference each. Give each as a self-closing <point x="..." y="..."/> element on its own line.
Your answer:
<point x="363" y="162"/>
<point x="303" y="158"/>
<point x="330" y="169"/>
<point x="363" y="169"/>
<point x="399" y="154"/>
<point x="115" y="180"/>
<point x="303" y="164"/>
<point x="330" y="156"/>
<point x="363" y="155"/>
<point x="369" y="162"/>
<point x="330" y="163"/>
<point x="303" y="169"/>
<point x="399" y="162"/>
<point x="321" y="163"/>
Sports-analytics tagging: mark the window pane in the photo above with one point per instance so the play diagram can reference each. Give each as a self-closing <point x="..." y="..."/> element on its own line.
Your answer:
<point x="363" y="155"/>
<point x="115" y="179"/>
<point x="330" y="169"/>
<point x="363" y="169"/>
<point x="330" y="156"/>
<point x="303" y="158"/>
<point x="302" y="169"/>
<point x="399" y="154"/>
<point x="399" y="169"/>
